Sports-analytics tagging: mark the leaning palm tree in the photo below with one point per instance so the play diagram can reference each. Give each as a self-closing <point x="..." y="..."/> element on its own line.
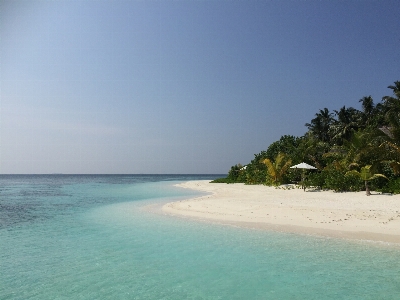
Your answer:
<point x="366" y="173"/>
<point x="277" y="168"/>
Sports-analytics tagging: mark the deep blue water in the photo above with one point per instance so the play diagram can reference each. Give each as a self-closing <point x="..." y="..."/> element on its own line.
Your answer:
<point x="89" y="237"/>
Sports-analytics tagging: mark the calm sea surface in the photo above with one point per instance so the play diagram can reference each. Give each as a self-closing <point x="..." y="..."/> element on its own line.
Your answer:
<point x="88" y="237"/>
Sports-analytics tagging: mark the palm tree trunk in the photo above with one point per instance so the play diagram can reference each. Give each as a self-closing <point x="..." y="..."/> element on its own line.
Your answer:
<point x="367" y="188"/>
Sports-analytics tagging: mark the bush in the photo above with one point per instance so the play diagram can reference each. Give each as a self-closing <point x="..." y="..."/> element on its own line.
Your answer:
<point x="340" y="182"/>
<point x="292" y="176"/>
<point x="393" y="186"/>
<point x="237" y="174"/>
<point x="223" y="180"/>
<point x="382" y="184"/>
<point x="316" y="179"/>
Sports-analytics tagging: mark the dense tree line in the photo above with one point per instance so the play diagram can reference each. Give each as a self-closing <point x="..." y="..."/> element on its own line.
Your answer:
<point x="352" y="150"/>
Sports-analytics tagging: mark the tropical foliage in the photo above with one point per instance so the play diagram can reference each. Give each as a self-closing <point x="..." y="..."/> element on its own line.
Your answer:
<point x="366" y="173"/>
<point x="276" y="169"/>
<point x="337" y="142"/>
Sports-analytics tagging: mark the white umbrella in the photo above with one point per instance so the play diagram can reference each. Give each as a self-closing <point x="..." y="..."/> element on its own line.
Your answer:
<point x="303" y="166"/>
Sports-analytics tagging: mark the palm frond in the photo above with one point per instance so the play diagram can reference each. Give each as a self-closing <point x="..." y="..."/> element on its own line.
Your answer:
<point x="270" y="167"/>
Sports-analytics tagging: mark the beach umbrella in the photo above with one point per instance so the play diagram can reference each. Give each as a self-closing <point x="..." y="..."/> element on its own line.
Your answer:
<point x="304" y="167"/>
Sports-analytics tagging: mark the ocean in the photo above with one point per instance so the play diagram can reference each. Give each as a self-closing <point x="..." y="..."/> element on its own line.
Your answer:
<point x="100" y="237"/>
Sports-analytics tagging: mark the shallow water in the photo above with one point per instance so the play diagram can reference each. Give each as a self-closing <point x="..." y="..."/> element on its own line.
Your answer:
<point x="88" y="237"/>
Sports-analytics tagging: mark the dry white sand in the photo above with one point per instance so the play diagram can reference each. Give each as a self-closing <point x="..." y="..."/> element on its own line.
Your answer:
<point x="347" y="215"/>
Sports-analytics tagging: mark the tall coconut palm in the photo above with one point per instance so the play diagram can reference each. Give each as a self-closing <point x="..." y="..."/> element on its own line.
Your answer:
<point x="371" y="115"/>
<point x="367" y="104"/>
<point x="390" y="134"/>
<point x="319" y="126"/>
<point x="276" y="169"/>
<point x="392" y="103"/>
<point x="313" y="150"/>
<point x="346" y="123"/>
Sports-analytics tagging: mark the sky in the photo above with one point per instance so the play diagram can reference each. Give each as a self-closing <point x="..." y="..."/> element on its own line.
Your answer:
<point x="189" y="87"/>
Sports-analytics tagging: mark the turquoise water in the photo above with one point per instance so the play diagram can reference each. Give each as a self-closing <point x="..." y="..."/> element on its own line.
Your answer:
<point x="88" y="237"/>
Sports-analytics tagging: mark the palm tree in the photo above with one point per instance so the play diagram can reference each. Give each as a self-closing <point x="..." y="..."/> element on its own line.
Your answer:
<point x="391" y="148"/>
<point x="313" y="150"/>
<point x="371" y="116"/>
<point x="319" y="126"/>
<point x="390" y="134"/>
<point x="366" y="173"/>
<point x="392" y="103"/>
<point x="351" y="152"/>
<point x="367" y="103"/>
<point x="277" y="168"/>
<point x="346" y="123"/>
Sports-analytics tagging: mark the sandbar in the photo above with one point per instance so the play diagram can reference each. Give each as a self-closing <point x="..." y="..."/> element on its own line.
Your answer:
<point x="350" y="215"/>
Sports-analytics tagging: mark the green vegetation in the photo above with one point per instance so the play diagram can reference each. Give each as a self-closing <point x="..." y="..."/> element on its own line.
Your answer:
<point x="277" y="168"/>
<point x="366" y="173"/>
<point x="236" y="174"/>
<point x="336" y="143"/>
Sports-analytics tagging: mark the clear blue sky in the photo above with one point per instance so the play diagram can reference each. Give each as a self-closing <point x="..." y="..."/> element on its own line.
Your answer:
<point x="180" y="86"/>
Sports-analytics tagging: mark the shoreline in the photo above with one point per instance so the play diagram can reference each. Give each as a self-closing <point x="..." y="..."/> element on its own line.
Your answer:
<point x="351" y="215"/>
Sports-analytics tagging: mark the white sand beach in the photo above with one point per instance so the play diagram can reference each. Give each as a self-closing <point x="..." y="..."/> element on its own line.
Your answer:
<point x="345" y="215"/>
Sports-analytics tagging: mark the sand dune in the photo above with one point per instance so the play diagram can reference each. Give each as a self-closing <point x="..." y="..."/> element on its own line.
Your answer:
<point x="348" y="215"/>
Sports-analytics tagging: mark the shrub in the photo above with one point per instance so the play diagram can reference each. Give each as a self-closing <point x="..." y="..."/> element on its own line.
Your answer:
<point x="223" y="180"/>
<point x="316" y="179"/>
<point x="340" y="182"/>
<point x="256" y="173"/>
<point x="382" y="184"/>
<point x="237" y="174"/>
<point x="393" y="186"/>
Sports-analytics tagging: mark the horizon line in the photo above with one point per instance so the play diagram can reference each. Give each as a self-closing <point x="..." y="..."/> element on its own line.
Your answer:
<point x="161" y="174"/>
